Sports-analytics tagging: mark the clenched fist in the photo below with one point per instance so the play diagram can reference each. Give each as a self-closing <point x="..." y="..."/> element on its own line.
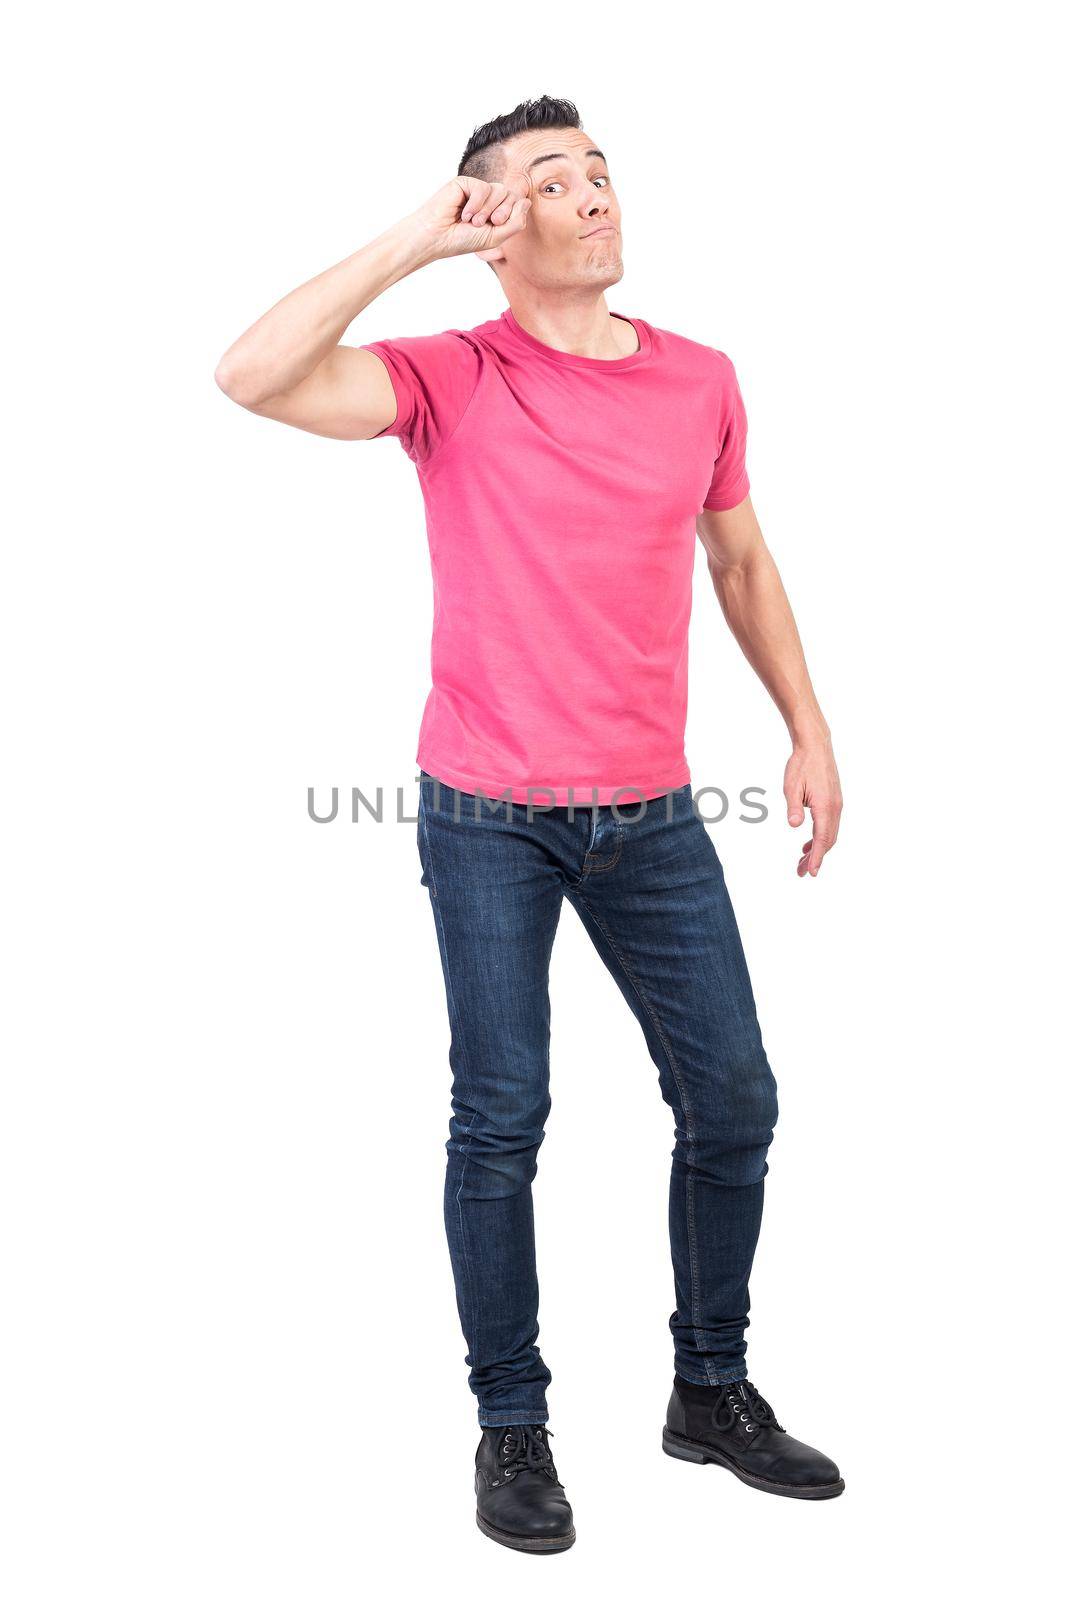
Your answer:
<point x="470" y="214"/>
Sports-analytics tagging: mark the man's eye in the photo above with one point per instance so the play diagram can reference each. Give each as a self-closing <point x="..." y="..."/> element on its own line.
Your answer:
<point x="554" y="184"/>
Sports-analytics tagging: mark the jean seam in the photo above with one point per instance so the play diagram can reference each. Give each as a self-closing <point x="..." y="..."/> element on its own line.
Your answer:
<point x="721" y="1377"/>
<point x="695" y="1278"/>
<point x="505" y="1414"/>
<point x="604" y="867"/>
<point x="462" y="1050"/>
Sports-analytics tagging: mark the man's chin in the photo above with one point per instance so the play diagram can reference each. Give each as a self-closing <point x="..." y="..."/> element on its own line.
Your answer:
<point x="606" y="265"/>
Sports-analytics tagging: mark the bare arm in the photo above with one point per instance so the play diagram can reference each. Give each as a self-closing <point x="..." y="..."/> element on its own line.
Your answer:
<point x="754" y="602"/>
<point x="290" y="364"/>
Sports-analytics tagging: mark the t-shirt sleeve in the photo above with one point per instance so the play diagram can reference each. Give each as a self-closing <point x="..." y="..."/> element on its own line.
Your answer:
<point x="434" y="377"/>
<point x="730" y="480"/>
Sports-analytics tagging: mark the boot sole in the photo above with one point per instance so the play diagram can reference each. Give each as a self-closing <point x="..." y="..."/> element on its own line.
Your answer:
<point x="706" y="1455"/>
<point x="544" y="1546"/>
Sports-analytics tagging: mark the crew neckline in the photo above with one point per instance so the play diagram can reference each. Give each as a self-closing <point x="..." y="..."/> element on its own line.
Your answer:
<point x="567" y="359"/>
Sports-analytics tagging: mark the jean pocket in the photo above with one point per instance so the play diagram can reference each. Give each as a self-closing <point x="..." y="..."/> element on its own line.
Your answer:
<point x="424" y="849"/>
<point x="441" y="799"/>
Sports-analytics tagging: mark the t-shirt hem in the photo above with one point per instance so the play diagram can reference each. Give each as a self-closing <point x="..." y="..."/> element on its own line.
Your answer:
<point x="398" y="428"/>
<point x="727" y="499"/>
<point x="601" y="794"/>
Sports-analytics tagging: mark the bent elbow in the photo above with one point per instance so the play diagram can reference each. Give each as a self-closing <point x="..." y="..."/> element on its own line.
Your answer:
<point x="235" y="384"/>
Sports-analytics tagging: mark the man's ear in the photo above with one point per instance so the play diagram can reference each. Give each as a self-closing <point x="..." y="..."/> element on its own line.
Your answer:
<point x="494" y="254"/>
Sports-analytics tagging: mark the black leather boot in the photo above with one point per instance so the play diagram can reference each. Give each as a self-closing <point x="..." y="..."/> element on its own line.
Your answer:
<point x="521" y="1501"/>
<point x="732" y="1426"/>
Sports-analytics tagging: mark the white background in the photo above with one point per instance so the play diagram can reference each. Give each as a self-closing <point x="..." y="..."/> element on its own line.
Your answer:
<point x="232" y="1361"/>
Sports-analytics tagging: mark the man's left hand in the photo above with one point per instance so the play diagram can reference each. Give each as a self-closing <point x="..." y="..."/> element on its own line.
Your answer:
<point x="812" y="781"/>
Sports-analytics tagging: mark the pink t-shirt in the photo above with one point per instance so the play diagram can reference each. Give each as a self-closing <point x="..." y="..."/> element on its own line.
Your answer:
<point x="561" y="495"/>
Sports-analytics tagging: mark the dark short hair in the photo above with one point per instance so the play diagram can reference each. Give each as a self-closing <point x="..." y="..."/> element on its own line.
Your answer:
<point x="482" y="158"/>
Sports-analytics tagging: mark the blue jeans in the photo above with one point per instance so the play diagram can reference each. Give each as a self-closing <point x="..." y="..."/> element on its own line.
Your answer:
<point x="648" y="887"/>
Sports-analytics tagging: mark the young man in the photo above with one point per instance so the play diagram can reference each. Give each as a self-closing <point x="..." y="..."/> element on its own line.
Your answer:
<point x="566" y="455"/>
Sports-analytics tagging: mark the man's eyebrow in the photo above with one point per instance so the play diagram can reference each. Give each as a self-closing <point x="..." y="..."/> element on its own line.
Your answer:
<point x="558" y="155"/>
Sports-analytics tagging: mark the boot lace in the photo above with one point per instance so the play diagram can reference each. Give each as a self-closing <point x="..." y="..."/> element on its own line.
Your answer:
<point x="742" y="1403"/>
<point x="524" y="1448"/>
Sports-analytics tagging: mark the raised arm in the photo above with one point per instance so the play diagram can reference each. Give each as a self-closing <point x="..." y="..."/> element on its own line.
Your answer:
<point x="290" y="364"/>
<point x="758" y="613"/>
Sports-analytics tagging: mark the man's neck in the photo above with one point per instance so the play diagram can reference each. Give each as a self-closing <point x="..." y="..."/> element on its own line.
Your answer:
<point x="578" y="328"/>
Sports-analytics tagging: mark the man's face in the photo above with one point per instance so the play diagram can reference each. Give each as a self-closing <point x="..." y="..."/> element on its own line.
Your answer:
<point x="573" y="231"/>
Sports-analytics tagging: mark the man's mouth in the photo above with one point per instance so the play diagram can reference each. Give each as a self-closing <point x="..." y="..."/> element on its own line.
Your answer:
<point x="608" y="228"/>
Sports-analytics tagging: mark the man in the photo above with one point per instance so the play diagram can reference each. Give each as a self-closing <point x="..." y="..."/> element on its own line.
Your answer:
<point x="566" y="454"/>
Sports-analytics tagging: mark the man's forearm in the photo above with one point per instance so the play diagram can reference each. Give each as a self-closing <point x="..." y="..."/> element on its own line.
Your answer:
<point x="293" y="337"/>
<point x="758" y="613"/>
